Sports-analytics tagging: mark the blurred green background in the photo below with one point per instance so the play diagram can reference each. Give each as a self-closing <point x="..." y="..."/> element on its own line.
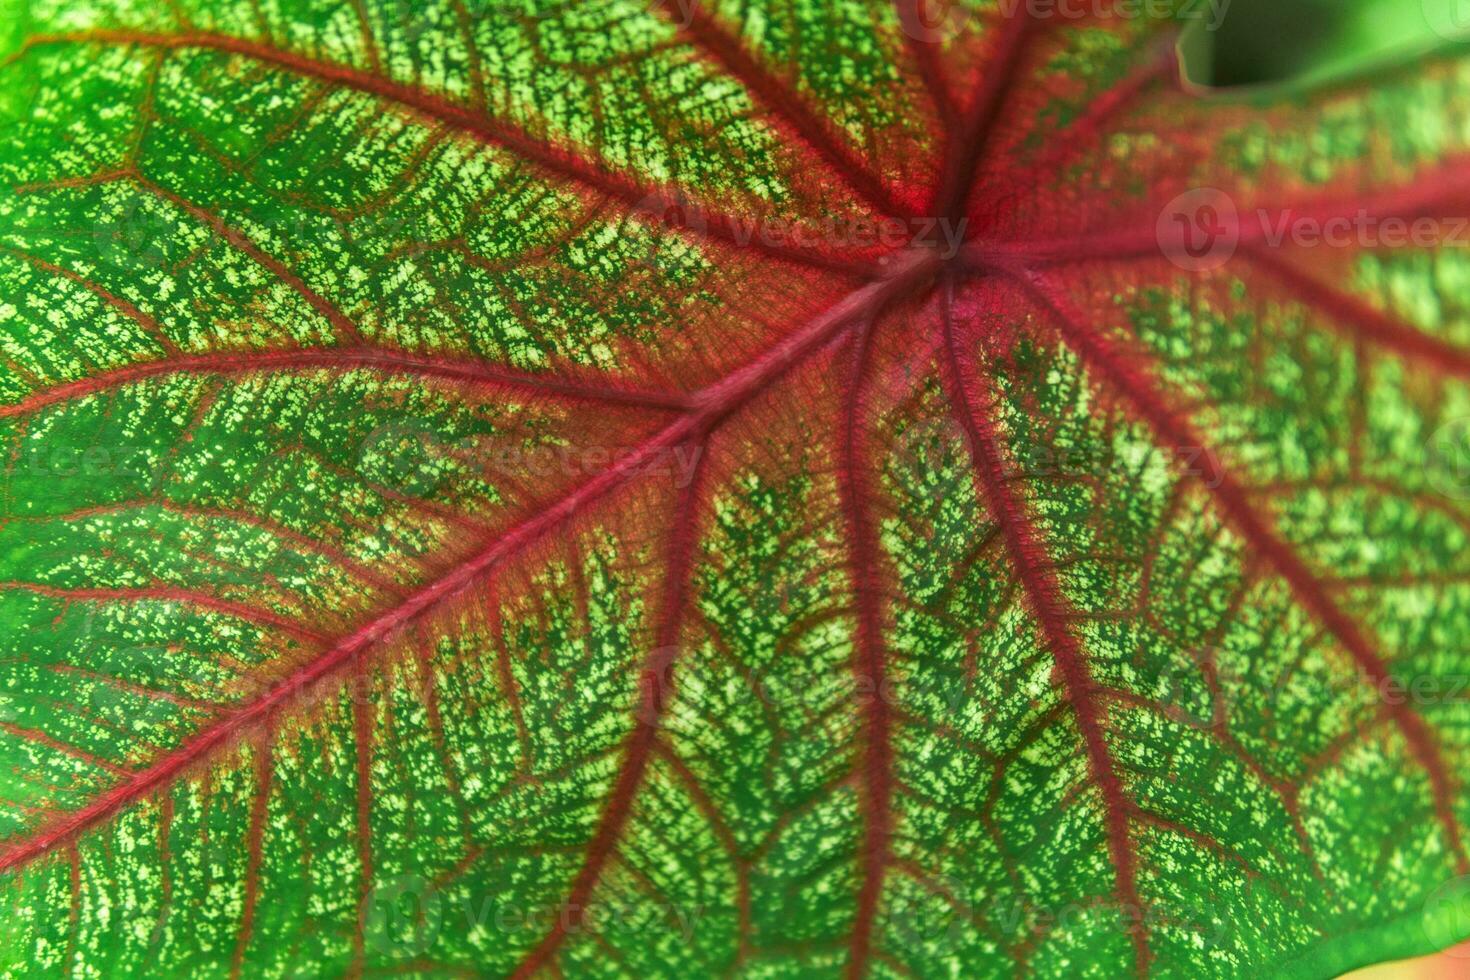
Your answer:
<point x="1262" y="41"/>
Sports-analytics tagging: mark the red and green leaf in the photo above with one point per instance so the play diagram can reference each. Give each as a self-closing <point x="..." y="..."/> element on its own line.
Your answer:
<point x="481" y="498"/>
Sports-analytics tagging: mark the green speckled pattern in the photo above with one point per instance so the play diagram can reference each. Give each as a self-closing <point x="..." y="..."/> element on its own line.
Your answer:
<point x="477" y="501"/>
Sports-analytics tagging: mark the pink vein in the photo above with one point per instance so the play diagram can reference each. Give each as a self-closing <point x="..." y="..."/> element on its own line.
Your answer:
<point x="472" y="121"/>
<point x="710" y="407"/>
<point x="142" y="691"/>
<point x="1053" y="612"/>
<point x="655" y="692"/>
<point x="926" y="55"/>
<point x="1134" y="378"/>
<point x="362" y="729"/>
<point x="147" y="323"/>
<point x="876" y="759"/>
<point x="74" y="881"/>
<point x="339" y="359"/>
<point x="702" y="28"/>
<point x="968" y="140"/>
<point x="254" y="848"/>
<point x="1361" y="319"/>
<point x="346" y="329"/>
<point x="1084" y="131"/>
<point x="284" y="534"/>
<point x="166" y="593"/>
<point x="429" y="686"/>
<point x="41" y="738"/>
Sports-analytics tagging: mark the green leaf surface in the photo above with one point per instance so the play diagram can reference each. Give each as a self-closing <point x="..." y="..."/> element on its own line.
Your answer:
<point x="775" y="489"/>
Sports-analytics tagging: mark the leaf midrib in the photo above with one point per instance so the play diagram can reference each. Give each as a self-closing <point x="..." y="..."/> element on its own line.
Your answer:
<point x="708" y="410"/>
<point x="702" y="412"/>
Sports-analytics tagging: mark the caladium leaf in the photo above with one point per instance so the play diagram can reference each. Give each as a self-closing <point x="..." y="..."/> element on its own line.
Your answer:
<point x="776" y="488"/>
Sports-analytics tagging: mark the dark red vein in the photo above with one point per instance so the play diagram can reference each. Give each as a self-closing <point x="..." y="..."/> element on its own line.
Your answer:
<point x="275" y="529"/>
<point x="656" y="681"/>
<point x="429" y="686"/>
<point x="709" y="407"/>
<point x="1065" y="142"/>
<point x="473" y="64"/>
<point x="1054" y="614"/>
<point x="246" y="362"/>
<point x="362" y="738"/>
<point x="1115" y="244"/>
<point x="56" y="745"/>
<point x="365" y="30"/>
<point x="966" y="145"/>
<point x="254" y="847"/>
<point x="720" y="827"/>
<point x="168" y="593"/>
<point x="717" y="226"/>
<point x="140" y="690"/>
<point x="911" y="271"/>
<point x="869" y="667"/>
<point x="1133" y="377"/>
<point x="800" y="121"/>
<point x="510" y="688"/>
<point x="419" y="505"/>
<point x="1203" y="841"/>
<point x="1356" y="318"/>
<point x="149" y="325"/>
<point x="74" y="911"/>
<point x="165" y="875"/>
<point x="346" y="330"/>
<point x="925" y="50"/>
